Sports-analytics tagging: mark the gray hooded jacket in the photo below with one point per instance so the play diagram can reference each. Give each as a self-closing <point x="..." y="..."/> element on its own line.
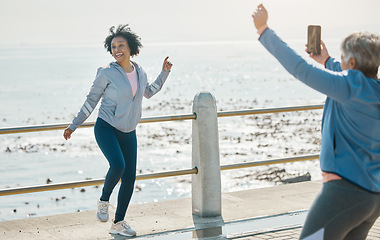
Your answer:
<point x="118" y="106"/>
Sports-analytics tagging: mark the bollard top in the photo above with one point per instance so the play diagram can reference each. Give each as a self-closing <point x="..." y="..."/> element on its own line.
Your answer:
<point x="204" y="99"/>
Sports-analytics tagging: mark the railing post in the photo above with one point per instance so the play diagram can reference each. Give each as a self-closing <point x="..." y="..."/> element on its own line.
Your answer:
<point x="206" y="185"/>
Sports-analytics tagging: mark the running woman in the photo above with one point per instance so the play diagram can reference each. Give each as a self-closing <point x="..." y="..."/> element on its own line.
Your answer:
<point x="121" y="87"/>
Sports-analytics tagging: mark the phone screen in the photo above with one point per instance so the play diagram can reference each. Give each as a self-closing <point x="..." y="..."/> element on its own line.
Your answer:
<point x="314" y="39"/>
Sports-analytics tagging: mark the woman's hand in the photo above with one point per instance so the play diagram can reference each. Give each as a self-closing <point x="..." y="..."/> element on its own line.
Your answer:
<point x="67" y="133"/>
<point x="167" y="65"/>
<point x="260" y="17"/>
<point x="320" y="58"/>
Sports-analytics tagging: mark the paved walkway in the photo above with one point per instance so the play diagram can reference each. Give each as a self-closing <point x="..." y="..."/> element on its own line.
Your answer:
<point x="267" y="213"/>
<point x="293" y="233"/>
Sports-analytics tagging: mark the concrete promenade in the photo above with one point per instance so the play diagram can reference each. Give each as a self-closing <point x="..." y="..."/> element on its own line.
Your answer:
<point x="267" y="213"/>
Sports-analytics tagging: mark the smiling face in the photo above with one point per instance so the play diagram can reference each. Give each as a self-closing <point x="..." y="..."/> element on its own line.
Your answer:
<point x="120" y="49"/>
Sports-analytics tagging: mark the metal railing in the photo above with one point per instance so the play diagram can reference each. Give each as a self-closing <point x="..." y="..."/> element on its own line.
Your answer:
<point x="268" y="110"/>
<point x="51" y="127"/>
<point x="95" y="182"/>
<point x="88" y="183"/>
<point x="100" y="181"/>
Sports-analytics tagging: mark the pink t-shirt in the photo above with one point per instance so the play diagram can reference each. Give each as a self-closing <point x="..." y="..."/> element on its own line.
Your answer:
<point x="132" y="77"/>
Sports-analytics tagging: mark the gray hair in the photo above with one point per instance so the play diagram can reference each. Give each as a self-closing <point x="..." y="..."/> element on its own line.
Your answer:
<point x="364" y="47"/>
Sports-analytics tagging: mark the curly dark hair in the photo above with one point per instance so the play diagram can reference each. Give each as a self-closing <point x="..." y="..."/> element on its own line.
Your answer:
<point x="124" y="31"/>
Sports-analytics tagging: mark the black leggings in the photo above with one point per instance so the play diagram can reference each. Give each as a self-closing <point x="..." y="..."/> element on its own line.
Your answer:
<point x="342" y="210"/>
<point x="120" y="149"/>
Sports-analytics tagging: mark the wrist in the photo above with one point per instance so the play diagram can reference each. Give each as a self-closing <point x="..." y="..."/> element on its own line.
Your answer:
<point x="261" y="29"/>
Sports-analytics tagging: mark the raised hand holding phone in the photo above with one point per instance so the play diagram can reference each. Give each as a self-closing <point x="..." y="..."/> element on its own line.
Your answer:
<point x="322" y="57"/>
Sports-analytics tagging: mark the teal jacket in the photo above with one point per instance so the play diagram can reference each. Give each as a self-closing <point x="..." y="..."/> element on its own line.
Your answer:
<point x="351" y="116"/>
<point x="118" y="106"/>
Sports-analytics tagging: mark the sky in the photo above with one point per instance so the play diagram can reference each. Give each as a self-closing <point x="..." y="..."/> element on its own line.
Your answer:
<point x="80" y="22"/>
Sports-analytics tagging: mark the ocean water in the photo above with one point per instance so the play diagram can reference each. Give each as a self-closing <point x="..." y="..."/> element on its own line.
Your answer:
<point x="48" y="84"/>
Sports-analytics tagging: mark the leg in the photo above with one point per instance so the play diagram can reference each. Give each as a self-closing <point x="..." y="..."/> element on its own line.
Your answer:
<point x="315" y="220"/>
<point x="361" y="231"/>
<point x="128" y="143"/>
<point x="339" y="208"/>
<point x="108" y="143"/>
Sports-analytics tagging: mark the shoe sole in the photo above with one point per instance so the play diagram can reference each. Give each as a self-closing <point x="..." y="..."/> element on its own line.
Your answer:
<point x="123" y="234"/>
<point x="101" y="219"/>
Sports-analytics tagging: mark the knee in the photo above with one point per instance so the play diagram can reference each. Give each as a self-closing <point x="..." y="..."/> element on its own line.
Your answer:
<point x="117" y="168"/>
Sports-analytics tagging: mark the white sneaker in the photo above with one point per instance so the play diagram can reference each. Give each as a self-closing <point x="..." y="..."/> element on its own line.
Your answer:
<point x="102" y="213"/>
<point x="122" y="228"/>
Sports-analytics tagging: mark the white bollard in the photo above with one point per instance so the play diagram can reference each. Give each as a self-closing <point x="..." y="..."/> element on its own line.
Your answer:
<point x="206" y="185"/>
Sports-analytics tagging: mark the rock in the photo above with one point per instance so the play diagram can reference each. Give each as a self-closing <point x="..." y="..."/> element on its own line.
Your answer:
<point x="302" y="178"/>
<point x="138" y="188"/>
<point x="272" y="174"/>
<point x="277" y="175"/>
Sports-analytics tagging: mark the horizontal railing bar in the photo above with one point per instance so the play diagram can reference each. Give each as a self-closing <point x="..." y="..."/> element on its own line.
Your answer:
<point x="268" y="110"/>
<point x="51" y="127"/>
<point x="87" y="183"/>
<point x="40" y="128"/>
<point x="95" y="182"/>
<point x="268" y="162"/>
<point x="167" y="174"/>
<point x="169" y="118"/>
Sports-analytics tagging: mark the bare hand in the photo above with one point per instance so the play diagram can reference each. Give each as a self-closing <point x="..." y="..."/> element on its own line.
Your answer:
<point x="167" y="65"/>
<point x="260" y="16"/>
<point x="67" y="133"/>
<point x="320" y="58"/>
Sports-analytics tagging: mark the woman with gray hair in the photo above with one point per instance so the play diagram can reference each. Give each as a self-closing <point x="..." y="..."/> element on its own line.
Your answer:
<point x="349" y="202"/>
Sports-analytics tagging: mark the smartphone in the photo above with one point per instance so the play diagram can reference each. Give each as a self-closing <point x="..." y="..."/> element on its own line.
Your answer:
<point x="314" y="39"/>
